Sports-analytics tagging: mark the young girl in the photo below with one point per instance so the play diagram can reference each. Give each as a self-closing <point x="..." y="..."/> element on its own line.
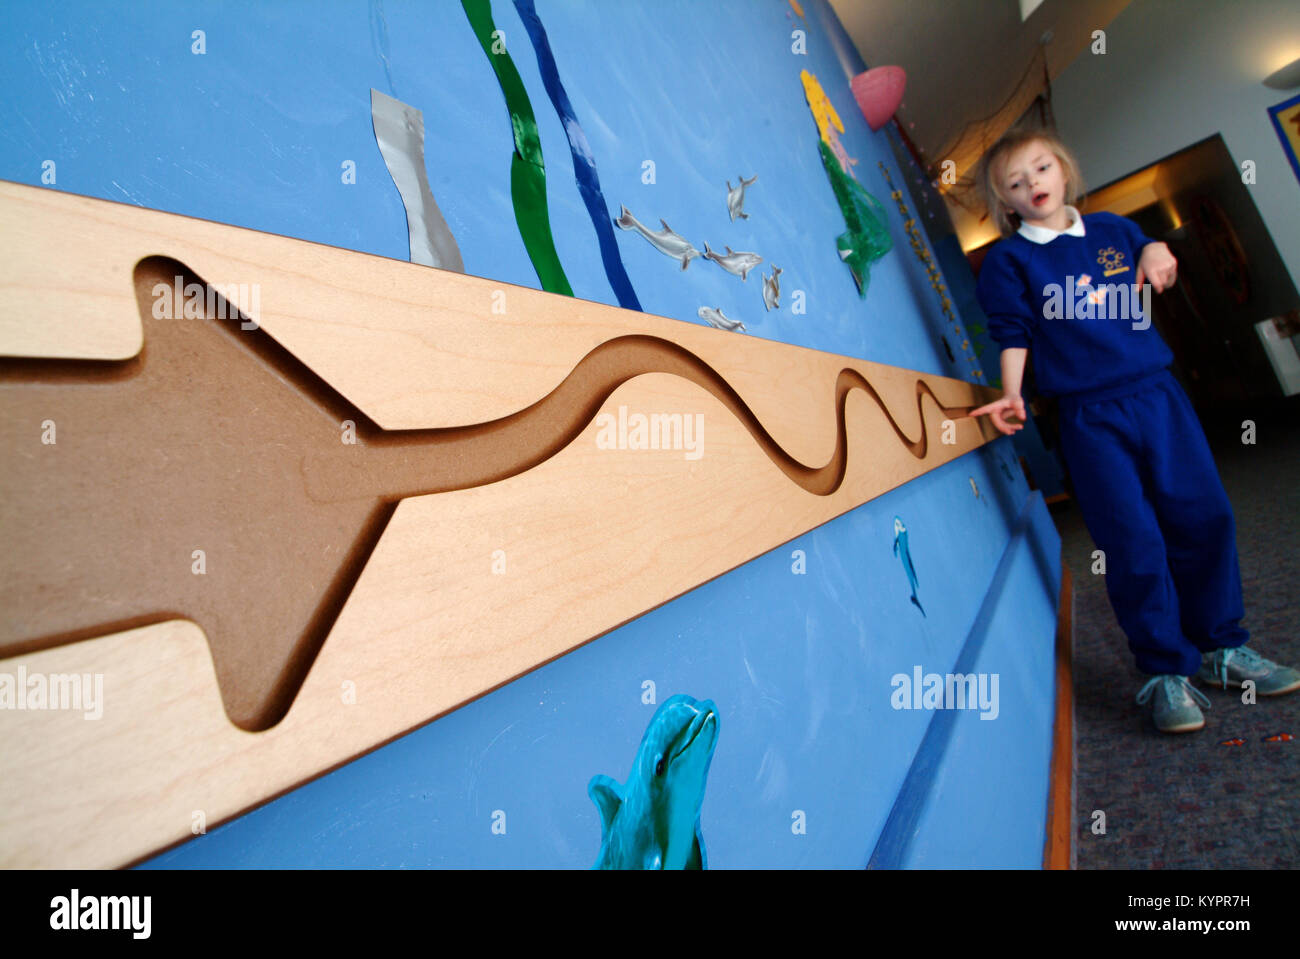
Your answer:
<point x="1065" y="286"/>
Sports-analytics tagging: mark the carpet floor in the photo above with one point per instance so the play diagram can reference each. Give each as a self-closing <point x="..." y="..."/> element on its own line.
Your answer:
<point x="1188" y="801"/>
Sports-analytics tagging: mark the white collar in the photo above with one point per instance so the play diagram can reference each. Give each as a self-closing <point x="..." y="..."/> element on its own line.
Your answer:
<point x="1044" y="234"/>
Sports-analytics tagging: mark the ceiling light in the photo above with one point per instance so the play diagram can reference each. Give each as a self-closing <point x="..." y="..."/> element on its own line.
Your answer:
<point x="1286" y="78"/>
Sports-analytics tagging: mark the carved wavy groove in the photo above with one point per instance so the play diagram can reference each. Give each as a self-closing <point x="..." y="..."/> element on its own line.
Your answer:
<point x="220" y="440"/>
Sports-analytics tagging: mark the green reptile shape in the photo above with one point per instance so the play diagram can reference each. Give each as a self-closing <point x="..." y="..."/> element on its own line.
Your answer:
<point x="654" y="821"/>
<point x="867" y="238"/>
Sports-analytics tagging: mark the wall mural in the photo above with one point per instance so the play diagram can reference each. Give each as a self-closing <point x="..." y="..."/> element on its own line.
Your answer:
<point x="446" y="472"/>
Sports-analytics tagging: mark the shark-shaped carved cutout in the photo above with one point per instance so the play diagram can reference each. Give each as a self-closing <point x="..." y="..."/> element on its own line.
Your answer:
<point x="216" y="438"/>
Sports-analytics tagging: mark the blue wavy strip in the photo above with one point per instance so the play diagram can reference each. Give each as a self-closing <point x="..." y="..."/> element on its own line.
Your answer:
<point x="584" y="164"/>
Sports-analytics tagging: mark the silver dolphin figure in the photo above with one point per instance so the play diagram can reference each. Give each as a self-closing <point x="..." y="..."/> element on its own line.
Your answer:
<point x="772" y="289"/>
<point x="665" y="241"/>
<point x="736" y="197"/>
<point x="738" y="264"/>
<point x="715" y="319"/>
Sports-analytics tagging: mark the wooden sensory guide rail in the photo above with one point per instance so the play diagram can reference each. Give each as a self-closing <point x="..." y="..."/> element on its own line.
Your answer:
<point x="286" y="534"/>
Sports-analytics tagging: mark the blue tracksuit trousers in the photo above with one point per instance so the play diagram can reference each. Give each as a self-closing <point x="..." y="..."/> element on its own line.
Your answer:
<point x="1151" y="497"/>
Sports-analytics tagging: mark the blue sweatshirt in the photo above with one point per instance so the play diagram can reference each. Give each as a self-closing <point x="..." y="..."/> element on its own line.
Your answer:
<point x="1068" y="297"/>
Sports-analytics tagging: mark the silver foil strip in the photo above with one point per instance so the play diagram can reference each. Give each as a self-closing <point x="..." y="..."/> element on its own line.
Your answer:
<point x="399" y="130"/>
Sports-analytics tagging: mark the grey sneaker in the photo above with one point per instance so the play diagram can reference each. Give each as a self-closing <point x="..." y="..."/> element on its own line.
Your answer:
<point x="1175" y="707"/>
<point x="1225" y="667"/>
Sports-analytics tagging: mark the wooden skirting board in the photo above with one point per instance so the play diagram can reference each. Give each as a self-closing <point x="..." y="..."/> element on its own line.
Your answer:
<point x="268" y="592"/>
<point x="1059" y="841"/>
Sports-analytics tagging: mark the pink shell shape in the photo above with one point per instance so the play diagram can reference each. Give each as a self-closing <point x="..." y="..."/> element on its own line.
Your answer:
<point x="879" y="91"/>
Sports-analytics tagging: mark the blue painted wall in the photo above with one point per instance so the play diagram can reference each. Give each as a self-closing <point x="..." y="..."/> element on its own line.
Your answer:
<point x="255" y="131"/>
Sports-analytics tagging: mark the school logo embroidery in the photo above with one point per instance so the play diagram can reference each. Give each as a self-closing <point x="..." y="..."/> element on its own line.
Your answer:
<point x="1111" y="261"/>
<point x="1084" y="286"/>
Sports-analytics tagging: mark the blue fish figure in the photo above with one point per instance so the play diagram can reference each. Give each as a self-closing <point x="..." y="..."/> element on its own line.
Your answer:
<point x="654" y="821"/>
<point x="901" y="550"/>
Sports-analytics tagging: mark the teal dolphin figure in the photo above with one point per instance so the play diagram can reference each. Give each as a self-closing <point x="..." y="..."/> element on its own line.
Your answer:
<point x="654" y="821"/>
<point x="901" y="550"/>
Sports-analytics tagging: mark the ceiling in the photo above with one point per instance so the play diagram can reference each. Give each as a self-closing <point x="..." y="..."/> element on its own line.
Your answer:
<point x="965" y="58"/>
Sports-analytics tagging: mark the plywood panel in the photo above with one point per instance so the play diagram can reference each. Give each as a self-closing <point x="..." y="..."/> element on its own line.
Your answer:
<point x="467" y="587"/>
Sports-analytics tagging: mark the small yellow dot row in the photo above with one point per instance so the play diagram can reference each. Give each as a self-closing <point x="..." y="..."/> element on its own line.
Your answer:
<point x="931" y="269"/>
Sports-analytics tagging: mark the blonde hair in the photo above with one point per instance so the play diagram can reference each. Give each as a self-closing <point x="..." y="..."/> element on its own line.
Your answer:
<point x="1008" y="221"/>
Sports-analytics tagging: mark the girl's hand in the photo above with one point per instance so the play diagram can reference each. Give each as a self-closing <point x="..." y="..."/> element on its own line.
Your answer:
<point x="1157" y="264"/>
<point x="998" y="411"/>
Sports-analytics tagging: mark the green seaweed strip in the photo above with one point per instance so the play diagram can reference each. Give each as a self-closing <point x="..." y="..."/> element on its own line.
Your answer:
<point x="527" y="169"/>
